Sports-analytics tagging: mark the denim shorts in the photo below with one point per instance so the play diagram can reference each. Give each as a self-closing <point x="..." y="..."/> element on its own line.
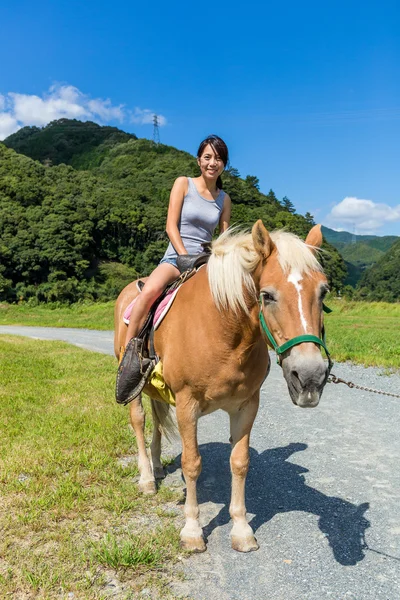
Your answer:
<point x="170" y="260"/>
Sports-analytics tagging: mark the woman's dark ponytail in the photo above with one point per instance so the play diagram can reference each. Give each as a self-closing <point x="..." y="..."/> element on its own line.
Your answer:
<point x="219" y="182"/>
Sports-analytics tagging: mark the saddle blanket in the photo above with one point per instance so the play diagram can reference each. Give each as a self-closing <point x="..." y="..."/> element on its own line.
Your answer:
<point x="161" y="309"/>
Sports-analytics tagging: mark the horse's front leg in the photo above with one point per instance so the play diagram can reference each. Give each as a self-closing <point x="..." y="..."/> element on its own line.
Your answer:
<point x="242" y="535"/>
<point x="192" y="534"/>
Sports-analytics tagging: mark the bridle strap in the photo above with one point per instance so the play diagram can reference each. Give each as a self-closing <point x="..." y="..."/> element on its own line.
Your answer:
<point x="300" y="339"/>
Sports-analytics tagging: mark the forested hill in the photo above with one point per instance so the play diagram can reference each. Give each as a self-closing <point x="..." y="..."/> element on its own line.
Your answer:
<point x="66" y="141"/>
<point x="341" y="239"/>
<point x="382" y="281"/>
<point x="359" y="251"/>
<point x="83" y="231"/>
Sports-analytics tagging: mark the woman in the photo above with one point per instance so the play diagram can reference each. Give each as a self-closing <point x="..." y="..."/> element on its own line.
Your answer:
<point x="196" y="207"/>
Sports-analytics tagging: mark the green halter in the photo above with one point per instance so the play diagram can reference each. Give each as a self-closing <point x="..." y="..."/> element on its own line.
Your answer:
<point x="300" y="339"/>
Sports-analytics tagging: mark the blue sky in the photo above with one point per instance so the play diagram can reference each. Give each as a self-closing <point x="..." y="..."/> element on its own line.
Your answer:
<point x="307" y="95"/>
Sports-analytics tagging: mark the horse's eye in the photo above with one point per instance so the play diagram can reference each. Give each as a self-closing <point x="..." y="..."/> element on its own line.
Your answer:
<point x="324" y="291"/>
<point x="267" y="297"/>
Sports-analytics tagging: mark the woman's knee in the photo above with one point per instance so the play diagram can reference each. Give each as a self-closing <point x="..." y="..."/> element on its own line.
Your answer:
<point x="150" y="292"/>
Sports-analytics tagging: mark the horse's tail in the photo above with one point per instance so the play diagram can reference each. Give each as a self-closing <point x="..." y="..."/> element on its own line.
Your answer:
<point x="165" y="414"/>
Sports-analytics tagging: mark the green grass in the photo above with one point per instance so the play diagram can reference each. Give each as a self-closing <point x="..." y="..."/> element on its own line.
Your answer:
<point x="68" y="511"/>
<point x="98" y="315"/>
<point x="135" y="551"/>
<point x="364" y="332"/>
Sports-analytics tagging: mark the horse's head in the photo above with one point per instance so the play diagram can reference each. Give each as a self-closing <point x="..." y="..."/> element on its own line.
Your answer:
<point x="292" y="287"/>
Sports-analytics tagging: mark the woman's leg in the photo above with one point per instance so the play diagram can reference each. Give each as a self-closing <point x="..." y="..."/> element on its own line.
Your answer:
<point x="154" y="286"/>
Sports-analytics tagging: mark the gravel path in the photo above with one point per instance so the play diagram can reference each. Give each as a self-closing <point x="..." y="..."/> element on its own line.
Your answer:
<point x="323" y="492"/>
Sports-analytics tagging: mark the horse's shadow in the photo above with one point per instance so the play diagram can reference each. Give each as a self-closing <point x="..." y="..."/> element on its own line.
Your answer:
<point x="274" y="486"/>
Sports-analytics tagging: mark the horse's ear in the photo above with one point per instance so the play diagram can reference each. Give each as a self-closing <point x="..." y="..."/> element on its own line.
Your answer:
<point x="261" y="239"/>
<point x="314" y="238"/>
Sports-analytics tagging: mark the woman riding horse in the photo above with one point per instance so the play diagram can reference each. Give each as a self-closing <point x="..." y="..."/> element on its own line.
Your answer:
<point x="196" y="207"/>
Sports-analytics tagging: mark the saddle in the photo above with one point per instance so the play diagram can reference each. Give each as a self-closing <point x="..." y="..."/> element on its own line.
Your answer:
<point x="139" y="357"/>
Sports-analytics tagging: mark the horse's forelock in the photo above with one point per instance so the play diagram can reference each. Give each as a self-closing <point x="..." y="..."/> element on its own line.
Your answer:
<point x="293" y="254"/>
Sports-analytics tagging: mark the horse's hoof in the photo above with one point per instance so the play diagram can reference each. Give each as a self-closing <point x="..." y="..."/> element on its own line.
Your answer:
<point x="248" y="544"/>
<point x="159" y="473"/>
<point x="148" y="488"/>
<point x="195" y="544"/>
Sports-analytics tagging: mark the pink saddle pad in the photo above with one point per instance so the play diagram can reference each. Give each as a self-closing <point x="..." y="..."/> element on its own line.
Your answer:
<point x="161" y="310"/>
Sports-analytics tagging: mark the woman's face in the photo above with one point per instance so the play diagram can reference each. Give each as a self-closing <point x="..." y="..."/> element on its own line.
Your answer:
<point x="210" y="164"/>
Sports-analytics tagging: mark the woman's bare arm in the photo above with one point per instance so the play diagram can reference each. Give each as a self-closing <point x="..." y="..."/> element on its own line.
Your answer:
<point x="178" y="193"/>
<point x="225" y="217"/>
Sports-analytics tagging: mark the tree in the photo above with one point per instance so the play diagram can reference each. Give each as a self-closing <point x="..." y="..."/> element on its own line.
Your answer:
<point x="253" y="181"/>
<point x="309" y="218"/>
<point x="288" y="205"/>
<point x="232" y="172"/>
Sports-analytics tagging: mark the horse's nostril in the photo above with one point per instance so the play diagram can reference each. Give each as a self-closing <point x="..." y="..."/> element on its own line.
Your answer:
<point x="309" y="378"/>
<point x="296" y="380"/>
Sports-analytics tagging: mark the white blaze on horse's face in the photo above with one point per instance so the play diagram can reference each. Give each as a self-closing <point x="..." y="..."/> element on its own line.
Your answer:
<point x="295" y="277"/>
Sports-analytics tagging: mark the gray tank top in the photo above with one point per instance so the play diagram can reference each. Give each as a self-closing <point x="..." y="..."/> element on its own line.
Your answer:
<point x="199" y="218"/>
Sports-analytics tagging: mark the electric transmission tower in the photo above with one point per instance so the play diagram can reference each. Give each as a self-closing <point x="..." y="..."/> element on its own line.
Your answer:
<point x="156" y="130"/>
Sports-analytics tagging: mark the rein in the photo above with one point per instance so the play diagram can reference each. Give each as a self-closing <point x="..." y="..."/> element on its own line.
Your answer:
<point x="300" y="339"/>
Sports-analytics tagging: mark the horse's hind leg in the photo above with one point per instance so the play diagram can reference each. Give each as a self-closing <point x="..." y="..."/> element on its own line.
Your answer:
<point x="147" y="482"/>
<point x="242" y="535"/>
<point x="155" y="447"/>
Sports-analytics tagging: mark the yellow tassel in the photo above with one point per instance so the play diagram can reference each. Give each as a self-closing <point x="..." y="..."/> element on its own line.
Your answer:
<point x="157" y="381"/>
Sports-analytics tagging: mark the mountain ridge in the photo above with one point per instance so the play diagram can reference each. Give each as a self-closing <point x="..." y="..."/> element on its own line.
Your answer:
<point x="65" y="141"/>
<point x="382" y="242"/>
<point x="381" y="282"/>
<point x="360" y="252"/>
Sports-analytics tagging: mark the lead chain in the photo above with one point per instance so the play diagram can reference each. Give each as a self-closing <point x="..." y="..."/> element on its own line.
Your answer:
<point x="334" y="379"/>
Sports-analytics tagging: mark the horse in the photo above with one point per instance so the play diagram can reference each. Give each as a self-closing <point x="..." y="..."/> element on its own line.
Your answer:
<point x="215" y="355"/>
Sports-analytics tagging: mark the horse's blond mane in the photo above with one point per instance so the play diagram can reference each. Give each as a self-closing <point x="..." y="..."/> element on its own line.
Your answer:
<point x="234" y="259"/>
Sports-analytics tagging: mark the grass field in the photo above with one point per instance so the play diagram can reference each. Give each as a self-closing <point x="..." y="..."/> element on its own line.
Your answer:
<point x="71" y="516"/>
<point x="361" y="332"/>
<point x="364" y="333"/>
<point x="85" y="316"/>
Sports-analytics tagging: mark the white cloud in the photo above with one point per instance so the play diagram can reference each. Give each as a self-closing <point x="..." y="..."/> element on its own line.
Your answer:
<point x="64" y="101"/>
<point x="8" y="125"/>
<point x="365" y="216"/>
<point x="146" y="116"/>
<point x="33" y="110"/>
<point x="105" y="110"/>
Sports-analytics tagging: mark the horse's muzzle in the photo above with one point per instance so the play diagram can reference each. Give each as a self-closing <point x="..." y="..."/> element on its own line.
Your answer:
<point x="306" y="375"/>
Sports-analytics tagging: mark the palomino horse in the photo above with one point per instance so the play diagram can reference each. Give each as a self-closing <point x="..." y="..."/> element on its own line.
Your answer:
<point x="215" y="354"/>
